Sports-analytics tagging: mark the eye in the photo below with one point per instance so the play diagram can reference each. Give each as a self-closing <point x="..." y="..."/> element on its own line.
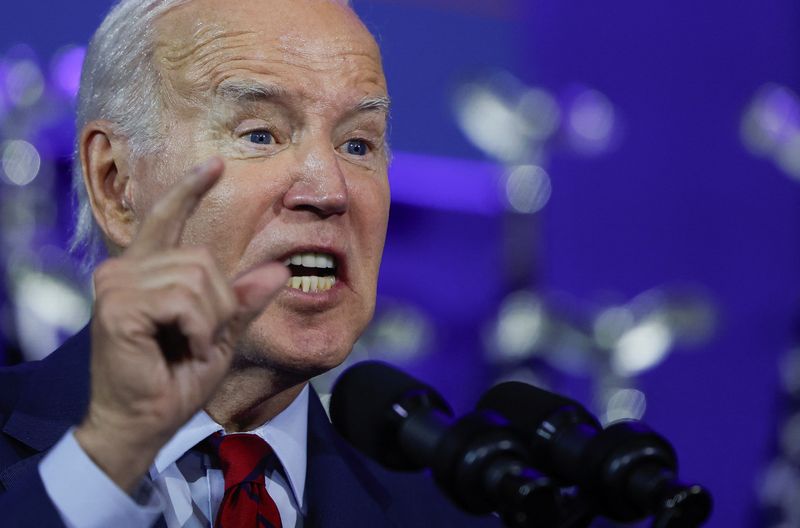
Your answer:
<point x="260" y="137"/>
<point x="357" y="147"/>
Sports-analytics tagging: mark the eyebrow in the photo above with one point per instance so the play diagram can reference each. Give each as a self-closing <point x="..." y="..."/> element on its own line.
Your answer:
<point x="248" y="91"/>
<point x="380" y="104"/>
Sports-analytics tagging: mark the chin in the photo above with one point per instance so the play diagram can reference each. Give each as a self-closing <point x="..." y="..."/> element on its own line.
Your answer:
<point x="299" y="353"/>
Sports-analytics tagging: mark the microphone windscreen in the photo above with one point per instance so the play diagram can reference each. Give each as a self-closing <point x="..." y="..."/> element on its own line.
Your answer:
<point x="367" y="408"/>
<point x="525" y="405"/>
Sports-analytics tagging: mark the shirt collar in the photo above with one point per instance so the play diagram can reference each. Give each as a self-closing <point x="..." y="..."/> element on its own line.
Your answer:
<point x="287" y="434"/>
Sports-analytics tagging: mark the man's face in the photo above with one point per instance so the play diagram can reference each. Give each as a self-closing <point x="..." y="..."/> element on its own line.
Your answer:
<point x="291" y="94"/>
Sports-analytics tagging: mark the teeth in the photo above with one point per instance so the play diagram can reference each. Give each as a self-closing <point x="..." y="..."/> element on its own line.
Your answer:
<point x="310" y="260"/>
<point x="312" y="283"/>
<point x="322" y="279"/>
<point x="324" y="261"/>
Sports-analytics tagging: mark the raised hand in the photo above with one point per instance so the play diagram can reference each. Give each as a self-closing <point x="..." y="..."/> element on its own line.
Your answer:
<point x="165" y="325"/>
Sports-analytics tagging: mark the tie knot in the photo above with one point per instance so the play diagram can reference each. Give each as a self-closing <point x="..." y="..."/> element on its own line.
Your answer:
<point x="243" y="457"/>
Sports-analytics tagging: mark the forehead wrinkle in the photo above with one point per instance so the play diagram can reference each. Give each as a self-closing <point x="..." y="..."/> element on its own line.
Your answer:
<point x="188" y="63"/>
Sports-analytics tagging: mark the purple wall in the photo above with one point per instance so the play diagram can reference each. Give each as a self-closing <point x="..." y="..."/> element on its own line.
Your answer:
<point x="682" y="200"/>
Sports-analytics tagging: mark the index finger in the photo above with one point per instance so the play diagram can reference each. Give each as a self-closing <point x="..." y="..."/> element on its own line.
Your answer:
<point x="163" y="225"/>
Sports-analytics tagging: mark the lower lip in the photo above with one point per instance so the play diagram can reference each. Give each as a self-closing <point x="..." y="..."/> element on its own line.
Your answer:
<point x="315" y="299"/>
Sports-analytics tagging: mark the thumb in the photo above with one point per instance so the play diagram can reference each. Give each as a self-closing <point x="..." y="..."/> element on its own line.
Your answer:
<point x="256" y="288"/>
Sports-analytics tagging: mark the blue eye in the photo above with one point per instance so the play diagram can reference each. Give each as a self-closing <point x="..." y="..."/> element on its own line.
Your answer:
<point x="261" y="137"/>
<point x="357" y="147"/>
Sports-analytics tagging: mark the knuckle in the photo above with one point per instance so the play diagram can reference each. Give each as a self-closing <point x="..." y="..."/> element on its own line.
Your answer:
<point x="108" y="275"/>
<point x="203" y="255"/>
<point x="106" y="269"/>
<point x="196" y="274"/>
<point x="162" y="209"/>
<point x="228" y="305"/>
<point x="109" y="310"/>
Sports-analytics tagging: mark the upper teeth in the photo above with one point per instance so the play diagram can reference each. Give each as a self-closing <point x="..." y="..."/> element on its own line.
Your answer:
<point x="311" y="260"/>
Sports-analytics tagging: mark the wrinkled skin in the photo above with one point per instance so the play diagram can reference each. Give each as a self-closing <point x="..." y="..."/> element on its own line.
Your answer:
<point x="288" y="99"/>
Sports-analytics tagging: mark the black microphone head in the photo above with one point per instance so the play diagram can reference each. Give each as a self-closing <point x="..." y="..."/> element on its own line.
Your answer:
<point x="528" y="406"/>
<point x="558" y="429"/>
<point x="369" y="404"/>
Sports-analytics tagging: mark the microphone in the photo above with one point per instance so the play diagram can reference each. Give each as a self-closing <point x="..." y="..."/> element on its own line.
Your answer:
<point x="404" y="424"/>
<point x="627" y="470"/>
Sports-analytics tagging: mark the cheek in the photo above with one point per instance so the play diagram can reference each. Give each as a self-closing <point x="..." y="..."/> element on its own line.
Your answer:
<point x="370" y="208"/>
<point x="225" y="221"/>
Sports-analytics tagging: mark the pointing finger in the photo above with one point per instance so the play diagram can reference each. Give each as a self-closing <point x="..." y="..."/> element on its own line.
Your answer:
<point x="163" y="226"/>
<point x="255" y="289"/>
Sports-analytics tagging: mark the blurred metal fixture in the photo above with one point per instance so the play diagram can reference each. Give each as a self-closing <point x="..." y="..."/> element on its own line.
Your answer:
<point x="770" y="127"/>
<point x="627" y="339"/>
<point x="504" y="118"/>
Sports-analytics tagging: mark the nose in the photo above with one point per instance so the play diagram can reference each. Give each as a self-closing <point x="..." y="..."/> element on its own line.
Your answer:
<point x="319" y="185"/>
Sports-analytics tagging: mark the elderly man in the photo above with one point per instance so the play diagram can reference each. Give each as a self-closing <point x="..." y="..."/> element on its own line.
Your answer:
<point x="232" y="156"/>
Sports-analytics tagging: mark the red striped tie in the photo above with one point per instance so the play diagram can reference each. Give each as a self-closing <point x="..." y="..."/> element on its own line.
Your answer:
<point x="246" y="503"/>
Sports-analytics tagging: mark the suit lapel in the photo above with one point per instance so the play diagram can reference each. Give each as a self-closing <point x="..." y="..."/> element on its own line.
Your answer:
<point x="341" y="490"/>
<point x="53" y="399"/>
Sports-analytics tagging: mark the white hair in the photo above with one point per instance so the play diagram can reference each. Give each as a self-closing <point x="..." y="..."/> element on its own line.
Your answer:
<point x="120" y="83"/>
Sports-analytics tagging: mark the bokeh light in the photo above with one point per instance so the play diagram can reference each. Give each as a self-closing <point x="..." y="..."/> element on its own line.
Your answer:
<point x="47" y="308"/>
<point x="770" y="127"/>
<point x="591" y="121"/>
<point x="504" y="118"/>
<point x="527" y="188"/>
<point x="20" y="161"/>
<point x="779" y="488"/>
<point x="790" y="372"/>
<point x="66" y="69"/>
<point x="642" y="347"/>
<point x="24" y="83"/>
<point x="624" y="404"/>
<point x="400" y="333"/>
<point x="520" y="327"/>
<point x="790" y="438"/>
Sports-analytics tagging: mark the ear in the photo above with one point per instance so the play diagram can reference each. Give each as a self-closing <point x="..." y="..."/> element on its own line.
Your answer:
<point x="106" y="174"/>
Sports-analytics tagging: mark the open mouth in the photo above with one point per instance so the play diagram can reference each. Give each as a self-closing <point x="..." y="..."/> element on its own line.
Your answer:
<point x="311" y="272"/>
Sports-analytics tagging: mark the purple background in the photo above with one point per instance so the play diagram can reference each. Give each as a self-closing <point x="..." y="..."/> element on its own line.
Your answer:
<point x="680" y="199"/>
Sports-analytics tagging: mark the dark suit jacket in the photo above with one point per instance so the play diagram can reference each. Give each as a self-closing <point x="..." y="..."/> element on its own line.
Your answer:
<point x="40" y="401"/>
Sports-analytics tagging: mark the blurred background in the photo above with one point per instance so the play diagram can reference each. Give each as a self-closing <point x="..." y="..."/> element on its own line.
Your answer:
<point x="597" y="197"/>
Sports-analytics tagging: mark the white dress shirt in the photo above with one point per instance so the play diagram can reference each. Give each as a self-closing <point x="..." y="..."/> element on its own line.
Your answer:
<point x="182" y="486"/>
